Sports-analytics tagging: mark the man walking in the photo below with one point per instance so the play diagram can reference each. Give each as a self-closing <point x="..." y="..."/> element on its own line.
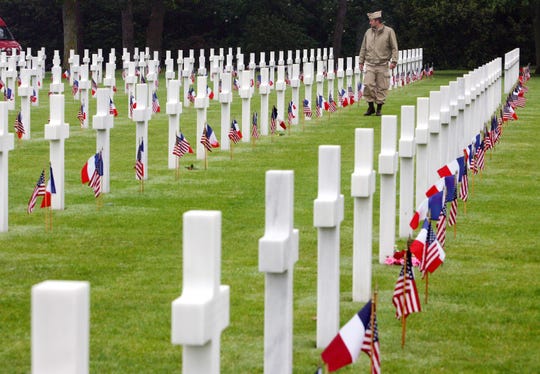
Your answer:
<point x="379" y="48"/>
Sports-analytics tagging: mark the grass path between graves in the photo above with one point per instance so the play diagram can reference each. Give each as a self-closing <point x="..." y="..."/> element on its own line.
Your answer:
<point x="482" y="315"/>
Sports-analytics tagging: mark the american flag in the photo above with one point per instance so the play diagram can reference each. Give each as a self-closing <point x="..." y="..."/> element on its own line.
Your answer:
<point x="191" y="95"/>
<point x="480" y="157"/>
<point x="39" y="190"/>
<point x="452" y="199"/>
<point x="19" y="127"/>
<point x="132" y="105"/>
<point x="318" y="107"/>
<point x="273" y="120"/>
<point x="205" y="141"/>
<point x="139" y="165"/>
<point x="290" y="111"/>
<point x="95" y="180"/>
<point x="360" y="90"/>
<point x="75" y="87"/>
<point x="81" y="115"/>
<point x="156" y="108"/>
<point x="331" y="104"/>
<point x="405" y="297"/>
<point x="307" y="108"/>
<point x="234" y="132"/>
<point x="441" y="226"/>
<point x="112" y="108"/>
<point x="371" y="345"/>
<point x="433" y="255"/>
<point x="181" y="146"/>
<point x="8" y="94"/>
<point x="255" y="126"/>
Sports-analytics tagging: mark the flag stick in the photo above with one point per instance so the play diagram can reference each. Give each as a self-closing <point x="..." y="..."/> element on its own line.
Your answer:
<point x="403" y="316"/>
<point x="373" y="311"/>
<point x="427" y="283"/>
<point x="205" y="158"/>
<point x="177" y="173"/>
<point x="455" y="229"/>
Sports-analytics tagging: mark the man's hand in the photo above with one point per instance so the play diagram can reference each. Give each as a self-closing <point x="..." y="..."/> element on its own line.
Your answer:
<point x="361" y="67"/>
<point x="393" y="65"/>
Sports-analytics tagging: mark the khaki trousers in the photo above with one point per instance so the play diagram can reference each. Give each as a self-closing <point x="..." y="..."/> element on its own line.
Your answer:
<point x="376" y="83"/>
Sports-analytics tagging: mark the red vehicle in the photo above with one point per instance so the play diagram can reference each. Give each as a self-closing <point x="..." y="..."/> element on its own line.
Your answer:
<point x="7" y="41"/>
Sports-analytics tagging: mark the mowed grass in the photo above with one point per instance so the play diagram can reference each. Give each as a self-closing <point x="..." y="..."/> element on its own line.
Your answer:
<point x="482" y="315"/>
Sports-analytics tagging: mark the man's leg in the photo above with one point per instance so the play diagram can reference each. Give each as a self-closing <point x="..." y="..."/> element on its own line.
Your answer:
<point x="370" y="89"/>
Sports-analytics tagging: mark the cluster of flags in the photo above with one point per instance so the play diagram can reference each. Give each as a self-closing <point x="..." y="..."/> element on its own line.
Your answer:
<point x="42" y="189"/>
<point x="403" y="78"/>
<point x="361" y="333"/>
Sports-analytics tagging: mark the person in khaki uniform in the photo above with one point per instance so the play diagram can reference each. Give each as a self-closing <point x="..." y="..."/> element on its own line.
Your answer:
<point x="379" y="53"/>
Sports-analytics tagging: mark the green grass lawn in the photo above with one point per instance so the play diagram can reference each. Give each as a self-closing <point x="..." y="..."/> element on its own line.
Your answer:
<point x="482" y="314"/>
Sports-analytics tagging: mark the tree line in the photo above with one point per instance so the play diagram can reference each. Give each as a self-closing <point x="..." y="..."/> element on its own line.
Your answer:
<point x="454" y="34"/>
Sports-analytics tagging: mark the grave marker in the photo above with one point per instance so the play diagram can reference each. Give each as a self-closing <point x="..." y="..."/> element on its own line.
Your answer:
<point x="434" y="145"/>
<point x="406" y="170"/>
<point x="84" y="88"/>
<point x="278" y="252"/>
<point x="421" y="139"/>
<point x="103" y="122"/>
<point x="295" y="86"/>
<point x="245" y="93"/>
<point x="264" y="91"/>
<point x="201" y="313"/>
<point x="201" y="104"/>
<point x="308" y="85"/>
<point x="141" y="115"/>
<point x="26" y="93"/>
<point x="174" y="110"/>
<point x="327" y="217"/>
<point x="388" y="167"/>
<point x="362" y="189"/>
<point x="56" y="131"/>
<point x="6" y="144"/>
<point x="60" y="327"/>
<point x="225" y="98"/>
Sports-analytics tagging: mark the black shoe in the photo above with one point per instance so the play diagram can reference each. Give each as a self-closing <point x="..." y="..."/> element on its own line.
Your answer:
<point x="370" y="110"/>
<point x="379" y="107"/>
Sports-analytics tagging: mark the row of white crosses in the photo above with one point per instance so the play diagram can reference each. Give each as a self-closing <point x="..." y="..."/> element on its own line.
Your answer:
<point x="201" y="313"/>
<point x="409" y="62"/>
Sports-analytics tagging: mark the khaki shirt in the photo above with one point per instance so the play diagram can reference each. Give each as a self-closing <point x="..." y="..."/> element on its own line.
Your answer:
<point x="379" y="46"/>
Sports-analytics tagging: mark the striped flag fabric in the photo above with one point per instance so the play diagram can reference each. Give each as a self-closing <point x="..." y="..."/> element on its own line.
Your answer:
<point x="139" y="165"/>
<point x="234" y="132"/>
<point x="405" y="297"/>
<point x="307" y="108"/>
<point x="441" y="227"/>
<point x="254" y="126"/>
<point x="181" y="146"/>
<point x="132" y="105"/>
<point x="208" y="138"/>
<point x="19" y="126"/>
<point x="39" y="190"/>
<point x="273" y="120"/>
<point x="156" y="108"/>
<point x="433" y="255"/>
<point x="372" y="347"/>
<point x="112" y="108"/>
<point x="81" y="115"/>
<point x="75" y="87"/>
<point x="355" y="336"/>
<point x="290" y="111"/>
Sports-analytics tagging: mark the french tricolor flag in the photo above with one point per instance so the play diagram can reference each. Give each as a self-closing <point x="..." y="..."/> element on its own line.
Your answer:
<point x="88" y="169"/>
<point x="418" y="245"/>
<point x="437" y="187"/>
<point x="49" y="190"/>
<point x="420" y="214"/>
<point x="449" y="169"/>
<point x="345" y="347"/>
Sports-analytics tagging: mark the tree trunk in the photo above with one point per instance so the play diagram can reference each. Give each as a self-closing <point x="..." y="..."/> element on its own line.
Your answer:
<point x="536" y="27"/>
<point x="338" y="31"/>
<point x="128" y="30"/>
<point x="154" y="31"/>
<point x="69" y="19"/>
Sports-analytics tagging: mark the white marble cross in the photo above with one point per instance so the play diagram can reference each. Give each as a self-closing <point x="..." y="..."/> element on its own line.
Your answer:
<point x="434" y="144"/>
<point x="280" y="91"/>
<point x="308" y="85"/>
<point x="60" y="327"/>
<point x="201" y="104"/>
<point x="141" y="115"/>
<point x="56" y="71"/>
<point x="278" y="252"/>
<point x="26" y="92"/>
<point x="201" y="313"/>
<point x="327" y="218"/>
<point x="225" y="98"/>
<point x="388" y="166"/>
<point x="421" y="139"/>
<point x="264" y="91"/>
<point x="406" y="170"/>
<point x="330" y="76"/>
<point x="6" y="144"/>
<point x="245" y="94"/>
<point x="56" y="131"/>
<point x="103" y="122"/>
<point x="295" y="88"/>
<point x="362" y="190"/>
<point x="84" y="88"/>
<point x="174" y="110"/>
